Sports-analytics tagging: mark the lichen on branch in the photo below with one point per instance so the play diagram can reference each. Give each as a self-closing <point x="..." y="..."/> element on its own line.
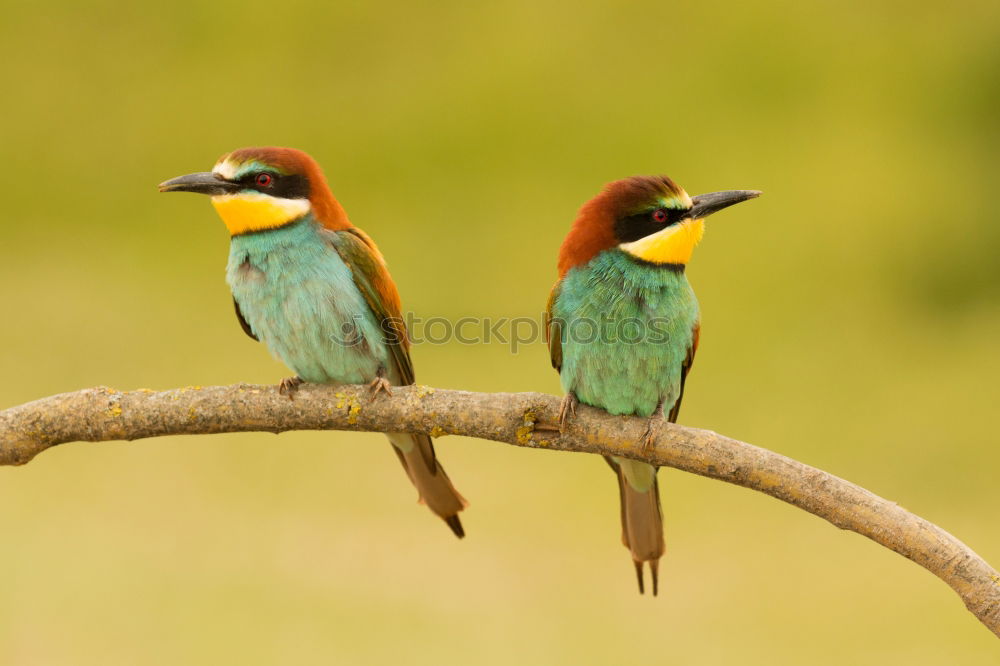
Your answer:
<point x="522" y="419"/>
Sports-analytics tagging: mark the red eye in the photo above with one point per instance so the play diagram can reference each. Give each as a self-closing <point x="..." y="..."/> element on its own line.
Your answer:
<point x="264" y="179"/>
<point x="660" y="215"/>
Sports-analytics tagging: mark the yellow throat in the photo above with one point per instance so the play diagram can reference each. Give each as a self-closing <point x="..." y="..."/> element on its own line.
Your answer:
<point x="672" y="245"/>
<point x="255" y="211"/>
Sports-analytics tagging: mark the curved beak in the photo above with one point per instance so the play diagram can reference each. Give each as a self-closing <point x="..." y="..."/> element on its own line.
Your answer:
<point x="706" y="204"/>
<point x="204" y="182"/>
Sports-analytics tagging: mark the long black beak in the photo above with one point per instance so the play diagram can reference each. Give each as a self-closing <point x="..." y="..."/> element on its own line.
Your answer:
<point x="706" y="204"/>
<point x="203" y="183"/>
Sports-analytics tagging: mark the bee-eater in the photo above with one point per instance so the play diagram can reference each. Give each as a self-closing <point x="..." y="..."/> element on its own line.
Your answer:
<point x="623" y="325"/>
<point x="315" y="290"/>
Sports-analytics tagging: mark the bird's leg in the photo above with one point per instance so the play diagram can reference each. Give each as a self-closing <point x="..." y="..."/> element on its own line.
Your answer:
<point x="379" y="384"/>
<point x="567" y="408"/>
<point x="289" y="386"/>
<point x="652" y="426"/>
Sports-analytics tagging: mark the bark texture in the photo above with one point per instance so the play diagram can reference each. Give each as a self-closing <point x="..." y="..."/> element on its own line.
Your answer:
<point x="522" y="419"/>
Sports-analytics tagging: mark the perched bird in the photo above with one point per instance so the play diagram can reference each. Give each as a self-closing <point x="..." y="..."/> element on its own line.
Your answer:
<point x="315" y="290"/>
<point x="623" y="323"/>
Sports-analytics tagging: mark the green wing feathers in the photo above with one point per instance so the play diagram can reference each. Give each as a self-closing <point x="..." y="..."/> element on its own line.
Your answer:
<point x="415" y="451"/>
<point x="553" y="329"/>
<point x="688" y="360"/>
<point x="373" y="281"/>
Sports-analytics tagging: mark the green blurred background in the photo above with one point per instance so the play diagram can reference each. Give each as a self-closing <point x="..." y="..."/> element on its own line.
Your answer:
<point x="851" y="321"/>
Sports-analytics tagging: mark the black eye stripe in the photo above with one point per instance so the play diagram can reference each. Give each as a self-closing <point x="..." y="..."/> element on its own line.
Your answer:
<point x="291" y="186"/>
<point x="634" y="227"/>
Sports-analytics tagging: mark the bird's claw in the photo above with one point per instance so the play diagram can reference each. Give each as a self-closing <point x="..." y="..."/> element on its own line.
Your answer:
<point x="378" y="385"/>
<point x="567" y="408"/>
<point x="646" y="442"/>
<point x="289" y="386"/>
<point x="652" y="430"/>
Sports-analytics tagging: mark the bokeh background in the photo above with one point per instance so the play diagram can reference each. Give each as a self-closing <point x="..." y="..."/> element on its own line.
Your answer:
<point x="851" y="321"/>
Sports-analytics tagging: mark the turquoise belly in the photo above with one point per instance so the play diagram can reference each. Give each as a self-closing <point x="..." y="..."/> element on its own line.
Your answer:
<point x="300" y="300"/>
<point x="627" y="330"/>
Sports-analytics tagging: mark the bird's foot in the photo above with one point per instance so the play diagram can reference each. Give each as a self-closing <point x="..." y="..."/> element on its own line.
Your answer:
<point x="290" y="386"/>
<point x="567" y="408"/>
<point x="378" y="385"/>
<point x="652" y="430"/>
<point x="646" y="442"/>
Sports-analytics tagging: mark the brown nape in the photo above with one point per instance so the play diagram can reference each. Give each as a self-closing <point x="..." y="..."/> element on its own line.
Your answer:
<point x="593" y="230"/>
<point x="325" y="206"/>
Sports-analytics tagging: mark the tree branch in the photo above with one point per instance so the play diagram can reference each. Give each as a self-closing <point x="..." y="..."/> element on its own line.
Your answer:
<point x="522" y="419"/>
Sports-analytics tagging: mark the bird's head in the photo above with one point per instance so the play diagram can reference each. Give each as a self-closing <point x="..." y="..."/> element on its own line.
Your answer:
<point x="256" y="189"/>
<point x="649" y="217"/>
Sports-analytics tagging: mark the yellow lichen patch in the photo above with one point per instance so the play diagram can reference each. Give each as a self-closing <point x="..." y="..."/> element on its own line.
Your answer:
<point x="438" y="431"/>
<point x="527" y="430"/>
<point x="352" y="414"/>
<point x="544" y="442"/>
<point x="114" y="411"/>
<point x="352" y="405"/>
<point x="524" y="434"/>
<point x="423" y="391"/>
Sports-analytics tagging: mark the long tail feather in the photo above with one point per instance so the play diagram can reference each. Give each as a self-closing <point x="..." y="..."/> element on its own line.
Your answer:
<point x="638" y="576"/>
<point x="456" y="525"/>
<point x="642" y="521"/>
<point x="416" y="453"/>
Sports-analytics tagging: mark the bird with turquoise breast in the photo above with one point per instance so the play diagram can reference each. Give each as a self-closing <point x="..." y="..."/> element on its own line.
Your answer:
<point x="315" y="290"/>
<point x="623" y="325"/>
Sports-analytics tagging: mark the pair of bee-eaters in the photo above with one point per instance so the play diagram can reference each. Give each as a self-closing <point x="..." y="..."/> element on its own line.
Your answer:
<point x="302" y="274"/>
